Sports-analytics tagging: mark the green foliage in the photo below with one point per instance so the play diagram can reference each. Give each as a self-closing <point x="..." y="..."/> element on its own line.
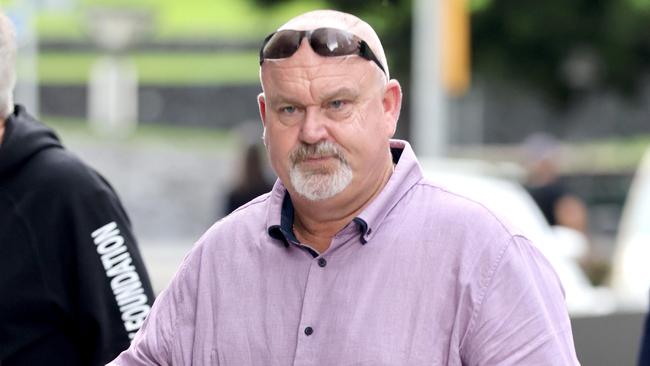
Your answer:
<point x="640" y="4"/>
<point x="477" y="5"/>
<point x="180" y="19"/>
<point x="515" y="40"/>
<point x="512" y="40"/>
<point x="531" y="43"/>
<point x="194" y="139"/>
<point x="156" y="68"/>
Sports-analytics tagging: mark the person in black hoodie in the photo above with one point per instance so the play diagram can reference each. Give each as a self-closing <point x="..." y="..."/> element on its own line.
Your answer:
<point x="73" y="286"/>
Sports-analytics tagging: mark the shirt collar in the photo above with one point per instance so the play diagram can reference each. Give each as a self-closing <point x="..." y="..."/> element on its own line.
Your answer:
<point x="279" y="217"/>
<point x="406" y="174"/>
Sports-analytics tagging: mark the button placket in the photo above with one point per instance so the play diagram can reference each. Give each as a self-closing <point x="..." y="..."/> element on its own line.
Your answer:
<point x="308" y="331"/>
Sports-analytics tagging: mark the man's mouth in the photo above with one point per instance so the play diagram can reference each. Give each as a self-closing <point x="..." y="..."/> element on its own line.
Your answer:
<point x="317" y="158"/>
<point x="318" y="164"/>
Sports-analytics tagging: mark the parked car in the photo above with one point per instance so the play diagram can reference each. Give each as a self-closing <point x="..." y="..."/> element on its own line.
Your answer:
<point x="630" y="278"/>
<point x="496" y="187"/>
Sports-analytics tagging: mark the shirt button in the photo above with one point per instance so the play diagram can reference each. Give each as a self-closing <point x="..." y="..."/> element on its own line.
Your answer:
<point x="322" y="262"/>
<point x="309" y="331"/>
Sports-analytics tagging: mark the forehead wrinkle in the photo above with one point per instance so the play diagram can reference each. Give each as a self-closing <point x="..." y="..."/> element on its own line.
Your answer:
<point x="279" y="94"/>
<point x="365" y="80"/>
<point x="307" y="76"/>
<point x="340" y="92"/>
<point x="318" y="88"/>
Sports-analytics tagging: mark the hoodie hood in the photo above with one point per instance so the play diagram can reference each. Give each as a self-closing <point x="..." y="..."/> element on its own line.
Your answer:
<point x="24" y="137"/>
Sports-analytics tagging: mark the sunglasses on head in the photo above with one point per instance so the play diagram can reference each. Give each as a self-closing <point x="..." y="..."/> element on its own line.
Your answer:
<point x="327" y="42"/>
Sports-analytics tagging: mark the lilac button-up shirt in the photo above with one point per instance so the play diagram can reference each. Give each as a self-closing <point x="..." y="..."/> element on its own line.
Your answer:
<point x="422" y="276"/>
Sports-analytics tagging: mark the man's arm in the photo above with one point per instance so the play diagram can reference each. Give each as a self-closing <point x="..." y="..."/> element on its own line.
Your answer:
<point x="522" y="317"/>
<point x="156" y="343"/>
<point x="114" y="291"/>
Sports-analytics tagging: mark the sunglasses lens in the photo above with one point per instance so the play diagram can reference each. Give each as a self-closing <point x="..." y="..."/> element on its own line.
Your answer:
<point x="327" y="42"/>
<point x="282" y="44"/>
<point x="333" y="42"/>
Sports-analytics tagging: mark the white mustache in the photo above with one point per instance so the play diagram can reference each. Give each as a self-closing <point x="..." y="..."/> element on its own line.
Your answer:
<point x="318" y="150"/>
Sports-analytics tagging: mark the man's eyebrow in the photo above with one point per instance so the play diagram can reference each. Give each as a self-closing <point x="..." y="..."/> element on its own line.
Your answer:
<point x="278" y="98"/>
<point x="343" y="92"/>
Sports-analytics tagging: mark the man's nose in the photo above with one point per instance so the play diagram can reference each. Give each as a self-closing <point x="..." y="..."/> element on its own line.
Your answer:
<point x="314" y="127"/>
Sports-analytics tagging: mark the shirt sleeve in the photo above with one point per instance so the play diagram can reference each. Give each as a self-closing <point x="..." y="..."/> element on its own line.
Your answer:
<point x="522" y="318"/>
<point x="152" y="345"/>
<point x="155" y="342"/>
<point x="114" y="294"/>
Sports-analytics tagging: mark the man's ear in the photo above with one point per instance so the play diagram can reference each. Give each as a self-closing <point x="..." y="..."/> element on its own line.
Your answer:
<point x="392" y="104"/>
<point x="261" y="103"/>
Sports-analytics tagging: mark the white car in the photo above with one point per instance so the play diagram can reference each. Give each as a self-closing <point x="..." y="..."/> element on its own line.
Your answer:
<point x="630" y="277"/>
<point x="508" y="199"/>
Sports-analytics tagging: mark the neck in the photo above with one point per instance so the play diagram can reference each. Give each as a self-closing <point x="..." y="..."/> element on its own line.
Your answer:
<point x="316" y="222"/>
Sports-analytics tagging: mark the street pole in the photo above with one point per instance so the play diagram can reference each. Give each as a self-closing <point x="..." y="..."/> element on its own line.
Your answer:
<point x="430" y="132"/>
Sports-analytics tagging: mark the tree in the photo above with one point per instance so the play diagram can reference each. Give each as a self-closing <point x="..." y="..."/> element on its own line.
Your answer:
<point x="562" y="48"/>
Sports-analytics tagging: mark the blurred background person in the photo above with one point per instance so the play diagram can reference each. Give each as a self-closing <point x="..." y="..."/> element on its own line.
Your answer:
<point x="558" y="204"/>
<point x="73" y="287"/>
<point x="252" y="181"/>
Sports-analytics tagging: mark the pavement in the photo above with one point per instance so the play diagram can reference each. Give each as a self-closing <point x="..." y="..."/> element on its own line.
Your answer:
<point x="171" y="193"/>
<point x="163" y="258"/>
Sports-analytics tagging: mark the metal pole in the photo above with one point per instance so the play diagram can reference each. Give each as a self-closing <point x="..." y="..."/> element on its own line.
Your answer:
<point x="430" y="133"/>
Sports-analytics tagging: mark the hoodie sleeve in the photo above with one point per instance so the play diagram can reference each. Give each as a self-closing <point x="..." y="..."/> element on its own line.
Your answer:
<point x="114" y="291"/>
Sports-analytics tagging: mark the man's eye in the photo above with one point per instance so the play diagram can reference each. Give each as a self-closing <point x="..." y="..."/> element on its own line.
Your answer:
<point x="337" y="104"/>
<point x="288" y="109"/>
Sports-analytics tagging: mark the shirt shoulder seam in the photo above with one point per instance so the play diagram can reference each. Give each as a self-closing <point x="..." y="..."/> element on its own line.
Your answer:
<point x="491" y="274"/>
<point x="172" y="341"/>
<point x="487" y="209"/>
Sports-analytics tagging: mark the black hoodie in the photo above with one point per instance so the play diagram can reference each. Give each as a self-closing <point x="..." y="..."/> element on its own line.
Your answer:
<point x="73" y="287"/>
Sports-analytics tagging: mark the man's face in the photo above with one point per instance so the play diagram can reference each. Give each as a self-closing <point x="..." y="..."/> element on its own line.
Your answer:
<point x="326" y="129"/>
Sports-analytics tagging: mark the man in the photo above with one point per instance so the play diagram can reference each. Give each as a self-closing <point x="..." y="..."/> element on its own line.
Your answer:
<point x="73" y="287"/>
<point x="252" y="181"/>
<point x="353" y="258"/>
<point x="559" y="206"/>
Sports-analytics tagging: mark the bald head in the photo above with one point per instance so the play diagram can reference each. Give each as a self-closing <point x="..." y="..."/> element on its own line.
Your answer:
<point x="336" y="19"/>
<point x="7" y="66"/>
